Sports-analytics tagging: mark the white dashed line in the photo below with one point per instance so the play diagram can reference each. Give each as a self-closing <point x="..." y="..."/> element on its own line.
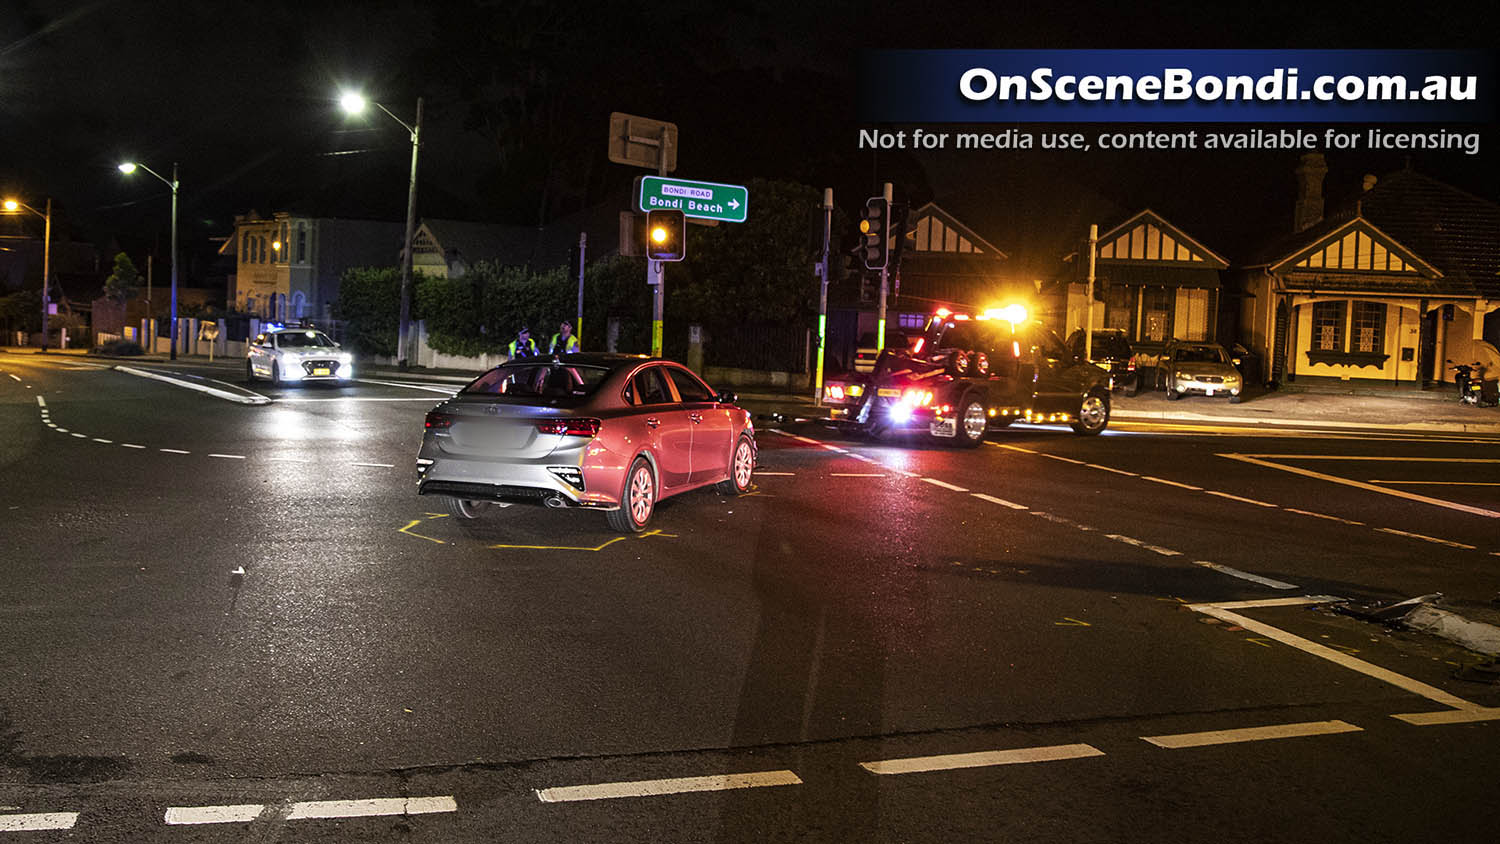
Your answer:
<point x="1063" y="459"/>
<point x="62" y="430"/>
<point x="1280" y="731"/>
<point x="1239" y="498"/>
<point x="1171" y="483"/>
<point x="653" y="788"/>
<point x="1323" y="516"/>
<point x="1113" y="469"/>
<point x="1450" y="543"/>
<point x="14" y="378"/>
<point x="229" y="456"/>
<point x="1015" y="448"/>
<point x="903" y="473"/>
<point x="775" y="474"/>
<point x="35" y="822"/>
<point x="376" y="465"/>
<point x="1052" y="517"/>
<point x="1245" y="575"/>
<point x="944" y="484"/>
<point x="983" y="759"/>
<point x="288" y="460"/>
<point x="103" y="440"/>
<point x="41" y="402"/>
<point x="80" y="436"/>
<point x="856" y="474"/>
<point x="130" y="445"/>
<point x="1130" y="540"/>
<point x="1001" y="501"/>
<point x="192" y="815"/>
<point x="173" y="451"/>
<point x="315" y="809"/>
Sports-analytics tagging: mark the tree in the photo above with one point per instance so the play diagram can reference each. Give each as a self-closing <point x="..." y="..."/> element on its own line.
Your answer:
<point x="369" y="301"/>
<point x="123" y="282"/>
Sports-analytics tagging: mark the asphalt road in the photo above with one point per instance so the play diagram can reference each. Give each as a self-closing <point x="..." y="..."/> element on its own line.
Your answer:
<point x="882" y="642"/>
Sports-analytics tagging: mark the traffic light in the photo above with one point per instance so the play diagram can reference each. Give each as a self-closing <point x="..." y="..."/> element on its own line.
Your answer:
<point x="874" y="230"/>
<point x="666" y="235"/>
<point x="905" y="236"/>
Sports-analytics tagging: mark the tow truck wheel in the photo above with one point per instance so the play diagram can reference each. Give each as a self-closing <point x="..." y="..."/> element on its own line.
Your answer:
<point x="959" y="363"/>
<point x="1093" y="415"/>
<point x="972" y="421"/>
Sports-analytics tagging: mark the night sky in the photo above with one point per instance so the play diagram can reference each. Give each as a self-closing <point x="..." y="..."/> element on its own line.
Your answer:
<point x="518" y="95"/>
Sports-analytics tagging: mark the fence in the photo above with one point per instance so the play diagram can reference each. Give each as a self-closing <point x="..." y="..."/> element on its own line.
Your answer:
<point x="766" y="346"/>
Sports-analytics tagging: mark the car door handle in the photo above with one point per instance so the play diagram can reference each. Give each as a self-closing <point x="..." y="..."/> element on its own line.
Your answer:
<point x="696" y="417"/>
<point x="652" y="422"/>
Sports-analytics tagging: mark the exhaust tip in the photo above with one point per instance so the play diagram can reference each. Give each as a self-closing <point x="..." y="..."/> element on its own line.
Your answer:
<point x="554" y="501"/>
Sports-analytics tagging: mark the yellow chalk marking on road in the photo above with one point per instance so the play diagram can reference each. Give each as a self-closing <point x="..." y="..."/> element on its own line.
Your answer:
<point x="1071" y="622"/>
<point x="1265" y="643"/>
<point x="601" y="547"/>
<point x="408" y="531"/>
<point x="1345" y="648"/>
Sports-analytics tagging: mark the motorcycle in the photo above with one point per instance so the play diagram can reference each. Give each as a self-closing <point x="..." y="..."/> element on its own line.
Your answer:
<point x="1473" y="388"/>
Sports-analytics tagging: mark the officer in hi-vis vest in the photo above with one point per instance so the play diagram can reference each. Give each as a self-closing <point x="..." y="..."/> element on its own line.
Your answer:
<point x="522" y="347"/>
<point x="563" y="342"/>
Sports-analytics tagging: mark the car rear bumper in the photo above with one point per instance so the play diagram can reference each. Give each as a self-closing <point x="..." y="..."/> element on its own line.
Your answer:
<point x="571" y="474"/>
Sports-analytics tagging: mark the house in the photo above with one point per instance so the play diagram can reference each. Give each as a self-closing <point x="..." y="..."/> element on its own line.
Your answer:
<point x="1403" y="277"/>
<point x="288" y="265"/>
<point x="1151" y="279"/>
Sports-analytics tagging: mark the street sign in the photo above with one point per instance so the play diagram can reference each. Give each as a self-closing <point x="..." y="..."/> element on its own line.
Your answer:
<point x="703" y="200"/>
<point x="643" y="142"/>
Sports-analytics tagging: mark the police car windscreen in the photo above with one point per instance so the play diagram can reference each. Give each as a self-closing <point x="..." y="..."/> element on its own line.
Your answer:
<point x="303" y="339"/>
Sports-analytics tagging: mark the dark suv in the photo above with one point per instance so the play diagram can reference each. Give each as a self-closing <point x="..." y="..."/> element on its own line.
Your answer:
<point x="1112" y="353"/>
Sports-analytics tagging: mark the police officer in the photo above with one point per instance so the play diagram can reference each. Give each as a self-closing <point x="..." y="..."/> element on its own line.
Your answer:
<point x="563" y="342"/>
<point x="522" y="346"/>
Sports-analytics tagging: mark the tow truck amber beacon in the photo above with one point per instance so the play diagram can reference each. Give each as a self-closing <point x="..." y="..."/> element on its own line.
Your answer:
<point x="970" y="373"/>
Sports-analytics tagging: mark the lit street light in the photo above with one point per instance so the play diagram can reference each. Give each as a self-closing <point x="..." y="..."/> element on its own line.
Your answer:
<point x="354" y="103"/>
<point x="15" y="206"/>
<point x="130" y="167"/>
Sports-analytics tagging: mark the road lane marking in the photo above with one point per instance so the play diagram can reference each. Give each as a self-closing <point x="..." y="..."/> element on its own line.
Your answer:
<point x="62" y="430"/>
<point x="775" y="474"/>
<point x="1245" y="575"/>
<point x="38" y="821"/>
<point x="655" y="788"/>
<point x="1398" y="493"/>
<point x="1425" y="538"/>
<point x="1015" y="448"/>
<point x="376" y="465"/>
<point x="41" y="402"/>
<point x="1377" y="458"/>
<point x="80" y="436"/>
<point x="944" y="484"/>
<point x="1063" y="459"/>
<point x="982" y="759"/>
<point x="1239" y="498"/>
<point x="1130" y="540"/>
<point x="1455" y="716"/>
<point x="1439" y="483"/>
<point x="249" y="396"/>
<point x="194" y="815"/>
<point x="347" y="399"/>
<point x="229" y="456"/>
<point x="288" y="460"/>
<point x="1243" y="734"/>
<point x="447" y="391"/>
<point x="173" y="451"/>
<point x="17" y="380"/>
<point x="1323" y="516"/>
<point x="130" y="445"/>
<point x="1223" y="612"/>
<point x="856" y="474"/>
<point x="316" y="809"/>
<point x="1171" y="483"/>
<point x="1112" y="469"/>
<point x="1001" y="501"/>
<point x="103" y="440"/>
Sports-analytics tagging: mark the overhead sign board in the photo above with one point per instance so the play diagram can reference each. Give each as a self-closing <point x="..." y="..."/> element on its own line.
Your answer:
<point x="700" y="200"/>
<point x="643" y="142"/>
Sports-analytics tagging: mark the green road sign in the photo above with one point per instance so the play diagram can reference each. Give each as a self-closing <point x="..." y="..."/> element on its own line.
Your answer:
<point x="703" y="200"/>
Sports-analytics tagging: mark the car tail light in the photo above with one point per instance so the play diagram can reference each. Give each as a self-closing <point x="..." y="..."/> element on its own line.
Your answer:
<point x="1130" y="366"/>
<point x="570" y="427"/>
<point x="917" y="398"/>
<point x="836" y="392"/>
<point x="438" y="421"/>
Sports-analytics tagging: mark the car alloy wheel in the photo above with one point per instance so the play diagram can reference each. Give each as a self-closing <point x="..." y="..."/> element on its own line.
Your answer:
<point x="741" y="469"/>
<point x="1093" y="415"/>
<point x="637" y="499"/>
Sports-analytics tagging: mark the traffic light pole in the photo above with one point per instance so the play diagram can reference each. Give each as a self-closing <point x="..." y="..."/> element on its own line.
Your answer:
<point x="823" y="296"/>
<point x="656" y="271"/>
<point x="583" y="241"/>
<point x="888" y="193"/>
<point x="1088" y="321"/>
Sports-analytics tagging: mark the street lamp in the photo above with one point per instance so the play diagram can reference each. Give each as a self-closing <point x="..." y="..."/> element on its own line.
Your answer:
<point x="354" y="103"/>
<point x="130" y="167"/>
<point x="15" y="206"/>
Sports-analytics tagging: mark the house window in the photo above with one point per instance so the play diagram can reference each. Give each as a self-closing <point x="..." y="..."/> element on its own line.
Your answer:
<point x="1119" y="308"/>
<point x="1156" y="314"/>
<point x="1328" y="326"/>
<point x="301" y="243"/>
<point x="913" y="321"/>
<point x="1367" y="334"/>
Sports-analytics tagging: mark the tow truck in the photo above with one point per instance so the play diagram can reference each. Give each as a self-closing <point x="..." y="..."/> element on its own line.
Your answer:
<point x="969" y="373"/>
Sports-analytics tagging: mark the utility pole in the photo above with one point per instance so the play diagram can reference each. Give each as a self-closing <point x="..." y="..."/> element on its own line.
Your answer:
<point x="175" y="183"/>
<point x="583" y="240"/>
<point x="46" y="269"/>
<point x="888" y="193"/>
<point x="823" y="272"/>
<point x="1088" y="322"/>
<point x="404" y="327"/>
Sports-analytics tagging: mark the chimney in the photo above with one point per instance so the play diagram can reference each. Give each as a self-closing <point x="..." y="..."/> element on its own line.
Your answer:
<point x="1309" y="209"/>
<point x="1369" y="181"/>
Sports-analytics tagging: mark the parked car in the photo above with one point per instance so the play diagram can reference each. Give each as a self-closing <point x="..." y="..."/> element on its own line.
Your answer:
<point x="616" y="433"/>
<point x="1196" y="367"/>
<point x="1111" y="352"/>
<point x="295" y="354"/>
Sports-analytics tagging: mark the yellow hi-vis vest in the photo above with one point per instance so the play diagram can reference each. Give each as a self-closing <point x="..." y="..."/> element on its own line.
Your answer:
<point x="568" y="348"/>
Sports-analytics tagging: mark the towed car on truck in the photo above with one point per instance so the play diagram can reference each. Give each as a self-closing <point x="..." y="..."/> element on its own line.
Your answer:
<point x="970" y="373"/>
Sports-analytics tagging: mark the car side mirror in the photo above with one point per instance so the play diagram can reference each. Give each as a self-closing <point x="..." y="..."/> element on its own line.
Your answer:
<point x="726" y="397"/>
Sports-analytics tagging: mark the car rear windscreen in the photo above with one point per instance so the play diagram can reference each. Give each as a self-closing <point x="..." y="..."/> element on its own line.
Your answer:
<point x="539" y="381"/>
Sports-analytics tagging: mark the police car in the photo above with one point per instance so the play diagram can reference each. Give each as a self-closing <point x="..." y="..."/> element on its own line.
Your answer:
<point x="297" y="353"/>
